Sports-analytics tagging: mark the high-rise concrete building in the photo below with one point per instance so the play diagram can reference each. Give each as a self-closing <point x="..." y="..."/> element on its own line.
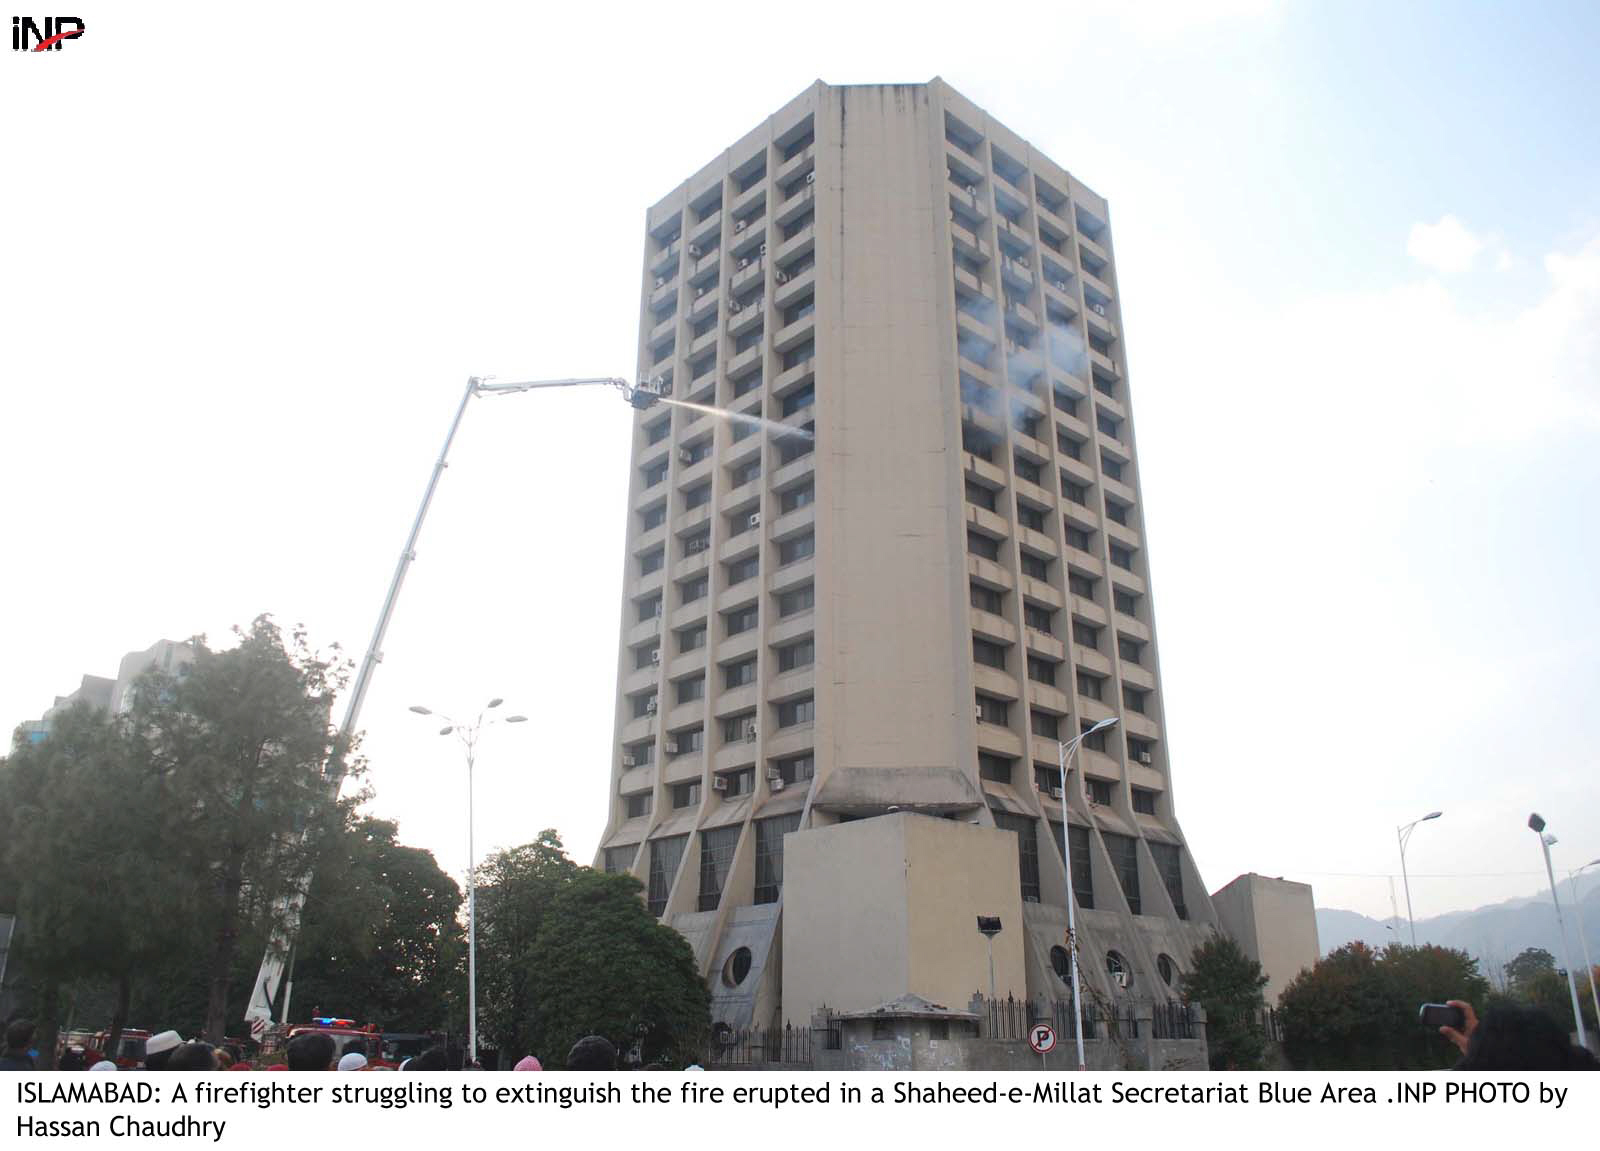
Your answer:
<point x="880" y="591"/>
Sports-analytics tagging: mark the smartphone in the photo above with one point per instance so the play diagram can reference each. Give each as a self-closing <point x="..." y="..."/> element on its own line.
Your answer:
<point x="1441" y="1015"/>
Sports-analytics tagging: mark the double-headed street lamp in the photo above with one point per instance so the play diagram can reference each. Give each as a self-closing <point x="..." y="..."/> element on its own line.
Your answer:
<point x="468" y="735"/>
<point x="1064" y="752"/>
<point x="1577" y="909"/>
<point x="1404" y="835"/>
<point x="1547" y="841"/>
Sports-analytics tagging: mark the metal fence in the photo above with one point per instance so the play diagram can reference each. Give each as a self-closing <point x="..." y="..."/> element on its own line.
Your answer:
<point x="755" y="1046"/>
<point x="1013" y="1019"/>
<point x="1173" y="1020"/>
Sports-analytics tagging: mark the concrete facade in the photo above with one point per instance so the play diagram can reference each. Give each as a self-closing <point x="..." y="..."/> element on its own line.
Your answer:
<point x="114" y="695"/>
<point x="1274" y="922"/>
<point x="909" y="562"/>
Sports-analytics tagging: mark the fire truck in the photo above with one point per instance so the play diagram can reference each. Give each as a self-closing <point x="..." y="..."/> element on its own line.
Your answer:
<point x="347" y="1036"/>
<point x="130" y="1051"/>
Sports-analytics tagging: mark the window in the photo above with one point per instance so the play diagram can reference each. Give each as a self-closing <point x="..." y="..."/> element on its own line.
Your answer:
<point x="794" y="712"/>
<point x="981" y="545"/>
<point x="792" y="447"/>
<point x="1027" y="850"/>
<point x="738" y="783"/>
<point x="1080" y="585"/>
<point x="1128" y="604"/>
<point x="619" y="859"/>
<point x="794" y="227"/>
<point x="1034" y="567"/>
<point x="739" y="674"/>
<point x="749" y="339"/>
<point x="1122" y="557"/>
<point x="1117" y="513"/>
<point x="1061" y="963"/>
<point x="643" y="704"/>
<point x="1129" y="650"/>
<point x="658" y="431"/>
<point x="796" y="549"/>
<point x="1112" y="468"/>
<point x="743" y="386"/>
<point x="769" y="854"/>
<point x="655" y="473"/>
<point x="1067" y="445"/>
<point x="797" y="769"/>
<point x="645" y="656"/>
<point x="1046" y="778"/>
<point x="994" y="767"/>
<point x="744" y="473"/>
<point x="1041" y="670"/>
<point x="638" y="804"/>
<point x="716" y="856"/>
<point x="742" y="620"/>
<point x="1117" y="968"/>
<point x="1144" y="801"/>
<point x="691" y="689"/>
<point x="692" y="589"/>
<point x="796" y="497"/>
<point x="692" y="638"/>
<point x="1026" y="470"/>
<point x="800" y="309"/>
<point x="1124" y="852"/>
<point x="1078" y="538"/>
<point x="1133" y="699"/>
<point x="993" y="709"/>
<point x="1095" y="742"/>
<point x="1045" y="725"/>
<point x="695" y="452"/>
<point x="1107" y="424"/>
<point x="687" y="742"/>
<point x="796" y="601"/>
<point x="1030" y="517"/>
<point x="1140" y="750"/>
<point x="653" y="517"/>
<point x="802" y="654"/>
<point x="665" y="856"/>
<point x="1165" y="969"/>
<point x="1100" y="791"/>
<point x="1090" y="686"/>
<point x="1086" y="634"/>
<point x="1169" y="864"/>
<point x="643" y="752"/>
<point x="1082" y="861"/>
<point x="1077" y="493"/>
<point x="988" y="654"/>
<point x="741" y="570"/>
<point x="799" y="354"/>
<point x="938" y="1029"/>
<point x="649" y="608"/>
<point x="652" y="561"/>
<point x="1039" y="618"/>
<point x="985" y="598"/>
<point x="685" y="794"/>
<point x="982" y="496"/>
<point x="736" y="728"/>
<point x="697" y="542"/>
<point x="798" y="399"/>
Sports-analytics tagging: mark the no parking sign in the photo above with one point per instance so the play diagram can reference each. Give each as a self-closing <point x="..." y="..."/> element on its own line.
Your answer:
<point x="1042" y="1038"/>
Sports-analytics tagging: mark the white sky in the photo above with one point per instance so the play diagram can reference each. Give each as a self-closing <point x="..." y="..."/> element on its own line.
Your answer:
<point x="252" y="257"/>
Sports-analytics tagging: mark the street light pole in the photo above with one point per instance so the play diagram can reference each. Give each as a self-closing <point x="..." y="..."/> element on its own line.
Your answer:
<point x="468" y="734"/>
<point x="1404" y="836"/>
<point x="1536" y="822"/>
<point x="1577" y="910"/>
<point x="1064" y="752"/>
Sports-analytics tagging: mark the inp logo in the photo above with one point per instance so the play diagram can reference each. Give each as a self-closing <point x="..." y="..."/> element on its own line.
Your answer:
<point x="28" y="36"/>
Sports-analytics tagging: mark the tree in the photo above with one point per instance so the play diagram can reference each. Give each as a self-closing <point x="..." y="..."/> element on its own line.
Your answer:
<point x="565" y="951"/>
<point x="1527" y="967"/>
<point x="380" y="939"/>
<point x="1357" y="1009"/>
<point x="242" y="743"/>
<point x="1227" y="983"/>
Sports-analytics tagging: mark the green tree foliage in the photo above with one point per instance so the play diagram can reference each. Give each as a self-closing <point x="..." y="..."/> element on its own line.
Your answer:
<point x="1357" y="1008"/>
<point x="1227" y="983"/>
<point x="1527" y="967"/>
<point x="565" y="951"/>
<point x="1533" y="979"/>
<point x="381" y="940"/>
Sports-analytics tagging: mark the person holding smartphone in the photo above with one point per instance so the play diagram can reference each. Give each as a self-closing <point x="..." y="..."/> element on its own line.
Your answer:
<point x="1509" y="1037"/>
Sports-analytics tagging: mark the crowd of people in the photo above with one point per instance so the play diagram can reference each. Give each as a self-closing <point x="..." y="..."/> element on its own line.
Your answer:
<point x="310" y="1051"/>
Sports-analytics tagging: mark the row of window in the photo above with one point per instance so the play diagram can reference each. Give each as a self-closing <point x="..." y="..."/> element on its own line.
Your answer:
<point x="1123" y="851"/>
<point x="717" y="848"/>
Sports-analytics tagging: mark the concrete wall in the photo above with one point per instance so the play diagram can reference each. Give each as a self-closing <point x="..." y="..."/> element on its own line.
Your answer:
<point x="879" y="908"/>
<point x="1275" y="923"/>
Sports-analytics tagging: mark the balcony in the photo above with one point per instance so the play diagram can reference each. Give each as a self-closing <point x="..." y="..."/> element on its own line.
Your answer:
<point x="796" y="205"/>
<point x="973" y="285"/>
<point x="1084" y="561"/>
<point x="1098" y="317"/>
<point x="803" y="161"/>
<point x="744" y="203"/>
<point x="1077" y="471"/>
<point x="1089" y="611"/>
<point x="967" y="202"/>
<point x="641" y="631"/>
<point x="792" y="287"/>
<point x="1046" y="645"/>
<point x="790" y="378"/>
<point x="751" y="273"/>
<point x="991" y="523"/>
<point x="1087" y="659"/>
<point x="1138" y="676"/>
<point x="794" y="575"/>
<point x="796" y="245"/>
<point x="1041" y="592"/>
<point x="968" y="244"/>
<point x="990" y="626"/>
<point x="994" y="681"/>
<point x="666" y="260"/>
<point x="1092" y="248"/>
<point x="992" y="475"/>
<point x="744" y="362"/>
<point x="665" y="289"/>
<point x="663" y="330"/>
<point x="691" y="565"/>
<point x="795" y="471"/>
<point x="1017" y="272"/>
<point x="745" y="318"/>
<point x="1019" y="313"/>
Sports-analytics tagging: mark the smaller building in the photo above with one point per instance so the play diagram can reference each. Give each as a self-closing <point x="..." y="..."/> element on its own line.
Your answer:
<point x="1274" y="922"/>
<point x="906" y="1034"/>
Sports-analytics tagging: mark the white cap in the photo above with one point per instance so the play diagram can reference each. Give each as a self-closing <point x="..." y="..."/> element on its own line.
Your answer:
<point x="352" y="1061"/>
<point x="165" y="1041"/>
<point x="102" y="1067"/>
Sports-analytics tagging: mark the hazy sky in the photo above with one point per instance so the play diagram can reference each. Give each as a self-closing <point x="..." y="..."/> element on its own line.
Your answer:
<point x="252" y="257"/>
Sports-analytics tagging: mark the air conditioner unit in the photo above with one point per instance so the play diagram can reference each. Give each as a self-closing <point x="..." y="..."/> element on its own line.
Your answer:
<point x="1061" y="285"/>
<point x="661" y="281"/>
<point x="685" y="456"/>
<point x="744" y="262"/>
<point x="977" y="712"/>
<point x="696" y="545"/>
<point x="1145" y="757"/>
<point x="656" y="614"/>
<point x="811" y="177"/>
<point x="755" y="519"/>
<point x="763" y="249"/>
<point x="740" y="225"/>
<point x="774" y="776"/>
<point x="750" y="732"/>
<point x="735" y="307"/>
<point x="1056" y="793"/>
<point x="650" y="707"/>
<point x="655" y="655"/>
<point x="1099" y="309"/>
<point x="778" y="784"/>
<point x="720" y="783"/>
<point x="698" y="292"/>
<point x="781" y="276"/>
<point x="628" y="760"/>
<point x="972" y="190"/>
<point x="694" y="251"/>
